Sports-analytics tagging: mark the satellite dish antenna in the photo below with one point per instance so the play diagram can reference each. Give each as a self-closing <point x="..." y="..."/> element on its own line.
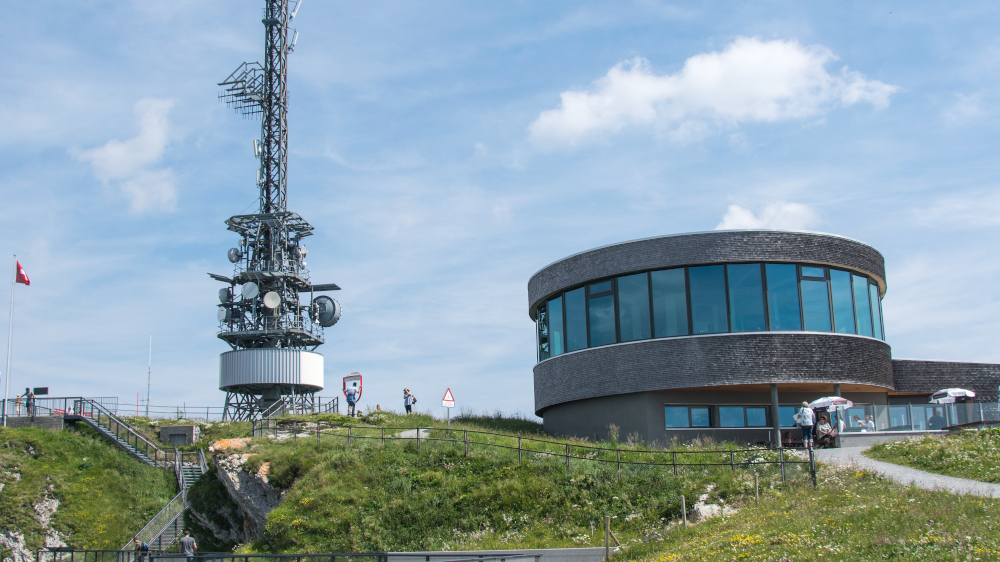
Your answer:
<point x="302" y="252"/>
<point x="224" y="295"/>
<point x="327" y="311"/>
<point x="272" y="299"/>
<point x="235" y="255"/>
<point x="225" y="314"/>
<point x="250" y="290"/>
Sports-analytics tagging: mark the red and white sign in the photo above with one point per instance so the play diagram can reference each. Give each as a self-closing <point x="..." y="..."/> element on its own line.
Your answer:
<point x="448" y="401"/>
<point x="349" y="380"/>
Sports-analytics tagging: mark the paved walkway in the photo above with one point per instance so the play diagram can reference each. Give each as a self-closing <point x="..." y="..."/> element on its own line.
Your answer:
<point x="906" y="475"/>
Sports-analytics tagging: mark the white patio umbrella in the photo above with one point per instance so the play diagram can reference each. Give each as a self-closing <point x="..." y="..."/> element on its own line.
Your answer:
<point x="952" y="395"/>
<point x="831" y="402"/>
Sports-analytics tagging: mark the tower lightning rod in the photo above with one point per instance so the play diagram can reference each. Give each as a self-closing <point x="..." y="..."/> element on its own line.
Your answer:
<point x="149" y="374"/>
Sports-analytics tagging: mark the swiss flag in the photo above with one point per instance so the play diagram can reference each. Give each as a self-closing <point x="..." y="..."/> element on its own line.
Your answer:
<point x="22" y="277"/>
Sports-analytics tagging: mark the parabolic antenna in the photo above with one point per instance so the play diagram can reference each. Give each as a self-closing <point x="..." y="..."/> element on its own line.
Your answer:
<point x="225" y="314"/>
<point x="224" y="295"/>
<point x="272" y="299"/>
<point x="235" y="255"/>
<point x="327" y="311"/>
<point x="250" y="290"/>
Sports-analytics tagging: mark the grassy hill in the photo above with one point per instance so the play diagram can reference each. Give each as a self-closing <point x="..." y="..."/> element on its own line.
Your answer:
<point x="104" y="495"/>
<point x="968" y="454"/>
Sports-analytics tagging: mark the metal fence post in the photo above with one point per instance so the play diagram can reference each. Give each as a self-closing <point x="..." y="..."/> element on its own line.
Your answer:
<point x="567" y="457"/>
<point x="348" y="436"/>
<point x="466" y="442"/>
<point x="732" y="459"/>
<point x="675" y="463"/>
<point x="781" y="457"/>
<point x="812" y="465"/>
<point x="317" y="434"/>
<point x="619" y="451"/>
<point x="295" y="431"/>
<point x="383" y="437"/>
<point x="684" y="511"/>
<point x="756" y="488"/>
<point x="607" y="538"/>
<point x="418" y="439"/>
<point x="518" y="450"/>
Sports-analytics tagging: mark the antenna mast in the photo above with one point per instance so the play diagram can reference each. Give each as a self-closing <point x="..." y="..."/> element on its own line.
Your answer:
<point x="263" y="320"/>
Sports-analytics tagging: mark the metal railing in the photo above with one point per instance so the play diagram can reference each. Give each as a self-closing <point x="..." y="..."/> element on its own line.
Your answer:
<point x="757" y="457"/>
<point x="159" y="523"/>
<point x="89" y="410"/>
<point x="57" y="405"/>
<point x="153" y="555"/>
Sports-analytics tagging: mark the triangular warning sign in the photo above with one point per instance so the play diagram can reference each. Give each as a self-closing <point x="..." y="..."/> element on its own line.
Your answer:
<point x="449" y="400"/>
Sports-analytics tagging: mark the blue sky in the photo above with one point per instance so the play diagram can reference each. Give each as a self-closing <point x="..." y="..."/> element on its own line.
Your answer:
<point x="446" y="151"/>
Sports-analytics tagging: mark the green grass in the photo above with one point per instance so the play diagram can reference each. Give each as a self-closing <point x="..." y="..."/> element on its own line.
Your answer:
<point x="374" y="497"/>
<point x="209" y="431"/>
<point x="968" y="454"/>
<point x="105" y="496"/>
<point x="852" y="516"/>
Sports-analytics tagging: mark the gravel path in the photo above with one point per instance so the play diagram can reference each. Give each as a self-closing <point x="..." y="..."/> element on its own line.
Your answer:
<point x="906" y="475"/>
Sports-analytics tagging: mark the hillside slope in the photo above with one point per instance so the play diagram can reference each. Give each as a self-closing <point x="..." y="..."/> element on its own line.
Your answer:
<point x="75" y="487"/>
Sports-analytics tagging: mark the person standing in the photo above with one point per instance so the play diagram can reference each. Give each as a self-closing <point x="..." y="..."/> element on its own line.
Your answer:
<point x="352" y="399"/>
<point x="188" y="546"/>
<point x="140" y="549"/>
<point x="29" y="403"/>
<point x="806" y="420"/>
<point x="408" y="400"/>
<point x="18" y="402"/>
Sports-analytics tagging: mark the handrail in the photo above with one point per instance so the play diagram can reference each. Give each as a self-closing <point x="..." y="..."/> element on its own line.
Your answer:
<point x="201" y="461"/>
<point x="162" y="518"/>
<point x="179" y="469"/>
<point x="119" y="423"/>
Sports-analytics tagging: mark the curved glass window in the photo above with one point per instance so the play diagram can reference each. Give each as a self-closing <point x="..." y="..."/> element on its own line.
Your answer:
<point x="746" y="297"/>
<point x="633" y="307"/>
<point x="555" y="326"/>
<point x="670" y="309"/>
<point x="862" y="309"/>
<point x="576" y="320"/>
<point x="783" y="296"/>
<point x="709" y="299"/>
<point x="843" y="301"/>
<point x="815" y="299"/>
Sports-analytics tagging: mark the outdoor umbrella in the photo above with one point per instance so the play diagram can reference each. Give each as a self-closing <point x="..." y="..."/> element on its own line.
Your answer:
<point x="952" y="395"/>
<point x="831" y="402"/>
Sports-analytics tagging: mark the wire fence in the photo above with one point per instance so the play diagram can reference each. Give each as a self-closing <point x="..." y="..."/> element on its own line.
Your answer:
<point x="622" y="457"/>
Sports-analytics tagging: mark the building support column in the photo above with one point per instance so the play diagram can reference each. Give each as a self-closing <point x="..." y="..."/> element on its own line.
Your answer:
<point x="836" y="390"/>
<point x="775" y="418"/>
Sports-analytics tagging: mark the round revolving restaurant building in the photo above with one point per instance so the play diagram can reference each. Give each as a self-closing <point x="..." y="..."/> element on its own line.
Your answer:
<point x="724" y="333"/>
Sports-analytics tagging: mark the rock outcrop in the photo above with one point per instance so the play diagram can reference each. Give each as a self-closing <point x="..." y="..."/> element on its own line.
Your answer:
<point x="251" y="492"/>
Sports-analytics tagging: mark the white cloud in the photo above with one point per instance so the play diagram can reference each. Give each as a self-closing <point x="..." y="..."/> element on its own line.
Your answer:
<point x="786" y="216"/>
<point x="749" y="81"/>
<point x="965" y="109"/>
<point x="130" y="164"/>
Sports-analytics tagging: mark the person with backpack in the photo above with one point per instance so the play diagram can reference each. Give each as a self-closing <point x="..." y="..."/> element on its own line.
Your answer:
<point x="806" y="419"/>
<point x="408" y="400"/>
<point x="140" y="549"/>
<point x="352" y="399"/>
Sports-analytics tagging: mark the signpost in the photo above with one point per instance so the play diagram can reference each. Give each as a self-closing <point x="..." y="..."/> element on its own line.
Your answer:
<point x="448" y="402"/>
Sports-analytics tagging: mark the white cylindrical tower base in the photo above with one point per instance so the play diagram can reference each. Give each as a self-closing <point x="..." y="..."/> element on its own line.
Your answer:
<point x="261" y="369"/>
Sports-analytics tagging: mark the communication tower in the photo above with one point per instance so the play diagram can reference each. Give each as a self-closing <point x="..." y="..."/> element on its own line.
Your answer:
<point x="273" y="364"/>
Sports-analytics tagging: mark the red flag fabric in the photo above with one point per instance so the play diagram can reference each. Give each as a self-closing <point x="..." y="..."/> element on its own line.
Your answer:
<point x="22" y="277"/>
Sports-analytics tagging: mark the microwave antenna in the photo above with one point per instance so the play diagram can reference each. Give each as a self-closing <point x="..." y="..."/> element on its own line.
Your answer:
<point x="273" y="365"/>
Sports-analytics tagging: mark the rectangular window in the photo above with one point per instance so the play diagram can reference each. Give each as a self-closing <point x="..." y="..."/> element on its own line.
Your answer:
<point x="602" y="320"/>
<point x="633" y="307"/>
<point x="670" y="316"/>
<point x="862" y="309"/>
<point x="876" y="311"/>
<point x="543" y="333"/>
<point x="677" y="416"/>
<point x="815" y="303"/>
<point x="843" y="302"/>
<point x="813" y="272"/>
<point x="783" y="296"/>
<point x="731" y="416"/>
<point x="699" y="416"/>
<point x="786" y="416"/>
<point x="708" y="299"/>
<point x="746" y="297"/>
<point x="556" y="326"/>
<point x="598" y="288"/>
<point x="576" y="320"/>
<point x="757" y="416"/>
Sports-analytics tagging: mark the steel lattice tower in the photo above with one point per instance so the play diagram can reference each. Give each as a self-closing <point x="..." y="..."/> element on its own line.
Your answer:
<point x="272" y="334"/>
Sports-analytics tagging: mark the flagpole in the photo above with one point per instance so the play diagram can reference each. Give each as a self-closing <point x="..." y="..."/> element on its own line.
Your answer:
<point x="149" y="374"/>
<point x="10" y="326"/>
